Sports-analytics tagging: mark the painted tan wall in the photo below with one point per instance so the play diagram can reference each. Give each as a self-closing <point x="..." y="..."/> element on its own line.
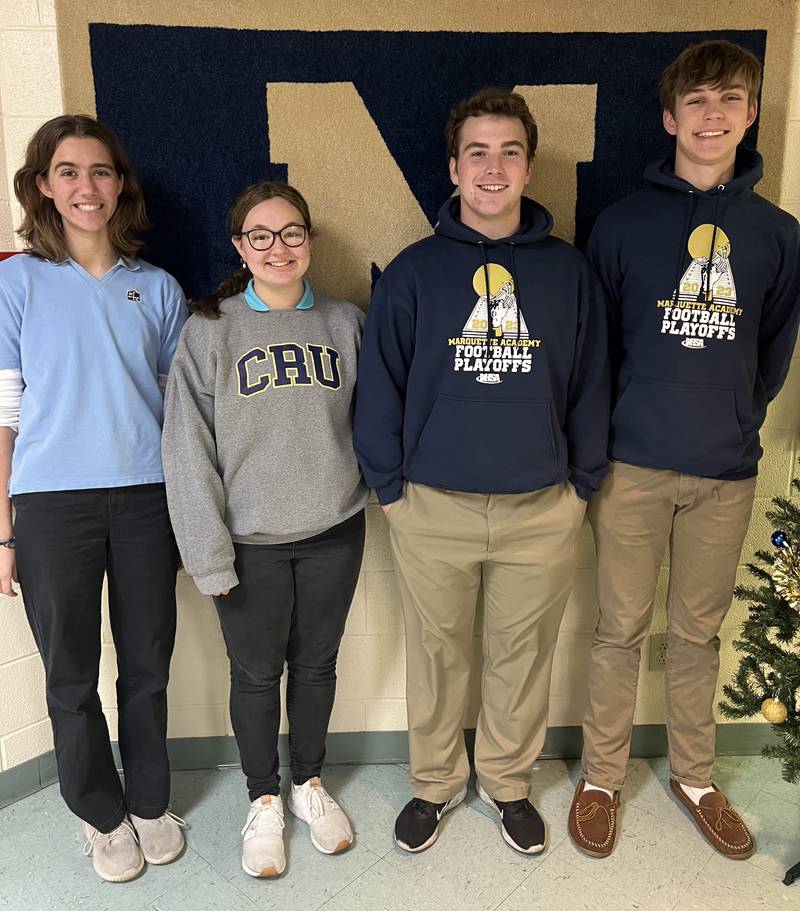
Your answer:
<point x="371" y="667"/>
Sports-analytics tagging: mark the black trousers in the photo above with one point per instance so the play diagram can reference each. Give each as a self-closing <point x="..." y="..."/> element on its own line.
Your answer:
<point x="67" y="541"/>
<point x="290" y="606"/>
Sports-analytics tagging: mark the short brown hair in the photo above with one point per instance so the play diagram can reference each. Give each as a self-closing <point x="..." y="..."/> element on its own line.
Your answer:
<point x="496" y="101"/>
<point x="250" y="197"/>
<point x="715" y="63"/>
<point x="42" y="228"/>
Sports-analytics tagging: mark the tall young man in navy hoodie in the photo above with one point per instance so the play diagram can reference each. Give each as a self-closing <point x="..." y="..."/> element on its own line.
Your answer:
<point x="701" y="275"/>
<point x="481" y="423"/>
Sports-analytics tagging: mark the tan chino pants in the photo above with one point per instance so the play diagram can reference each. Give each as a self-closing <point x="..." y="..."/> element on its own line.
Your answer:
<point x="522" y="547"/>
<point x="635" y="515"/>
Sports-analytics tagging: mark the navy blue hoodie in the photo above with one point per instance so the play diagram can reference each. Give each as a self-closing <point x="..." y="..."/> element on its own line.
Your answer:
<point x="504" y="395"/>
<point x="704" y="296"/>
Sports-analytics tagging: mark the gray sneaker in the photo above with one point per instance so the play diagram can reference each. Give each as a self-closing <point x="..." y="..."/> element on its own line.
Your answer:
<point x="115" y="855"/>
<point x="161" y="839"/>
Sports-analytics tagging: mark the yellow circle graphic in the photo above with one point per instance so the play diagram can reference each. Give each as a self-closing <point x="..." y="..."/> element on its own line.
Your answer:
<point x="700" y="241"/>
<point x="498" y="276"/>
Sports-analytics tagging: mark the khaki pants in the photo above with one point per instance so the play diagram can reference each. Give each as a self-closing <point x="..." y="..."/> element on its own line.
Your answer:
<point x="522" y="547"/>
<point x="635" y="515"/>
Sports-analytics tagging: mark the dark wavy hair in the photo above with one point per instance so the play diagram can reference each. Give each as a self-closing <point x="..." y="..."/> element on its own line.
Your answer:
<point x="42" y="229"/>
<point x="251" y="196"/>
<point x="501" y="102"/>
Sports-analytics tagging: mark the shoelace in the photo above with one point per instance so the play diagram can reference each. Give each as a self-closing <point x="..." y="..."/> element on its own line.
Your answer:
<point x="589" y="812"/>
<point x="520" y="809"/>
<point x="420" y="807"/>
<point x="725" y="816"/>
<point x="265" y="815"/>
<point x="176" y="819"/>
<point x="88" y="845"/>
<point x="317" y="798"/>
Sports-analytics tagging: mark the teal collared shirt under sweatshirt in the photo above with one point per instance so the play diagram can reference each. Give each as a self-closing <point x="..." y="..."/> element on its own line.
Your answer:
<point x="257" y="443"/>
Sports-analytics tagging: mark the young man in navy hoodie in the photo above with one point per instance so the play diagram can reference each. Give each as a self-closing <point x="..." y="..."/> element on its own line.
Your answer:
<point x="482" y="424"/>
<point x="701" y="276"/>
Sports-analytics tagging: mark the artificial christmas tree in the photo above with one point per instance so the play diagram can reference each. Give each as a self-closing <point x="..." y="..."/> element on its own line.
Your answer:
<point x="768" y="676"/>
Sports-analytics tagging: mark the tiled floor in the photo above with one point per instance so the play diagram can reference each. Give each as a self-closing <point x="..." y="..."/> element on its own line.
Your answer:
<point x="659" y="863"/>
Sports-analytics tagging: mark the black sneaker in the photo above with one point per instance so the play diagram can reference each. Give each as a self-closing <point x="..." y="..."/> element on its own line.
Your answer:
<point x="417" y="826"/>
<point x="521" y="825"/>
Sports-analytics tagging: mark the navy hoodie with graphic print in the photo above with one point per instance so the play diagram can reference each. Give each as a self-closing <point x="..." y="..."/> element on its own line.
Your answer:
<point x="704" y="295"/>
<point x="501" y="395"/>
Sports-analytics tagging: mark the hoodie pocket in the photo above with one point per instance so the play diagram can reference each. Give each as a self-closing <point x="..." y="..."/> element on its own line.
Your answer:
<point x="693" y="429"/>
<point x="479" y="445"/>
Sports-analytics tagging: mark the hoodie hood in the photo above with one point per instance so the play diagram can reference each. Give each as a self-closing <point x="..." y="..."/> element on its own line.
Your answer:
<point x="748" y="170"/>
<point x="536" y="223"/>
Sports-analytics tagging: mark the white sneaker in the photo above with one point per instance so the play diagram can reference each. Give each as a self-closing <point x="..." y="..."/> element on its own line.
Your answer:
<point x="116" y="856"/>
<point x="161" y="839"/>
<point x="330" y="828"/>
<point x="262" y="844"/>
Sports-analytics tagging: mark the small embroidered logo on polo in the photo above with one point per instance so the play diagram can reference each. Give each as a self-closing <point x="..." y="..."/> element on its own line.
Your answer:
<point x="133" y="295"/>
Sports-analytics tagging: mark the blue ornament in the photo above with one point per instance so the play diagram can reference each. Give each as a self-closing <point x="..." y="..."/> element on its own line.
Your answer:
<point x="780" y="539"/>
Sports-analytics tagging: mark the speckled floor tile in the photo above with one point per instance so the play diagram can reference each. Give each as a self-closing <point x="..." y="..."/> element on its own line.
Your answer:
<point x="384" y="888"/>
<point x="208" y="891"/>
<point x="652" y="863"/>
<point x="725" y="884"/>
<point x="755" y="771"/>
<point x="558" y="886"/>
<point x="661" y="863"/>
<point x="775" y="826"/>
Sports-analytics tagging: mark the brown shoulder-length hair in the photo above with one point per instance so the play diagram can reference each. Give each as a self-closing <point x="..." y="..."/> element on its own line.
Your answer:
<point x="251" y="196"/>
<point x="42" y="228"/>
<point x="496" y="101"/>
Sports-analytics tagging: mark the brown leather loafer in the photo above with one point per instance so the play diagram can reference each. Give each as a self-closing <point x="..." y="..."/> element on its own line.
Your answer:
<point x="718" y="822"/>
<point x="593" y="821"/>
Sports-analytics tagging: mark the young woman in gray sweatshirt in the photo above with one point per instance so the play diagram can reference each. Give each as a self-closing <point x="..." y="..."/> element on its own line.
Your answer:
<point x="267" y="502"/>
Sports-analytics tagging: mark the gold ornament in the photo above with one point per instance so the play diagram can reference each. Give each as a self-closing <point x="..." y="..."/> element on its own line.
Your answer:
<point x="786" y="575"/>
<point x="774" y="711"/>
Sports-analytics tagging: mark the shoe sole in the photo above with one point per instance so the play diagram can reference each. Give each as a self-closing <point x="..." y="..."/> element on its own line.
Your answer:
<point x="534" y="849"/>
<point x="686" y="805"/>
<point x="343" y="845"/>
<point x="165" y="858"/>
<point x="122" y="877"/>
<point x="451" y="805"/>
<point x="266" y="873"/>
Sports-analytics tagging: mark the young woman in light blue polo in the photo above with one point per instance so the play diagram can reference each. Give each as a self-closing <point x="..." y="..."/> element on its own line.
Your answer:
<point x="86" y="332"/>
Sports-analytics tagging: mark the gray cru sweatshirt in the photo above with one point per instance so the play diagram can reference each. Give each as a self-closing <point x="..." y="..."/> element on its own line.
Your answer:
<point x="258" y="420"/>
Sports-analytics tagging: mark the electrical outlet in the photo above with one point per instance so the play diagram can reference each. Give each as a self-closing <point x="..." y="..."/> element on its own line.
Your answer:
<point x="658" y="651"/>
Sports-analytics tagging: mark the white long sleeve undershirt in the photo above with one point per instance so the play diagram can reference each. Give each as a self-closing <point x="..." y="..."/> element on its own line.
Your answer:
<point x="11" y="386"/>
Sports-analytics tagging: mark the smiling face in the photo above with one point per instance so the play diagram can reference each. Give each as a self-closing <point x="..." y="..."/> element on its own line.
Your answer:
<point x="277" y="272"/>
<point x="708" y="124"/>
<point x="491" y="172"/>
<point x="84" y="186"/>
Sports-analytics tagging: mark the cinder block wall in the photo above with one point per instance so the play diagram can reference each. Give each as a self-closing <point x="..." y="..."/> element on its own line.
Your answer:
<point x="372" y="666"/>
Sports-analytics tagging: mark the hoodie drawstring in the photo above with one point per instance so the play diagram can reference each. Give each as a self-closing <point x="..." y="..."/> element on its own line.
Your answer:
<point x="684" y="241"/>
<point x="707" y="289"/>
<point x="482" y="245"/>
<point x="516" y="288"/>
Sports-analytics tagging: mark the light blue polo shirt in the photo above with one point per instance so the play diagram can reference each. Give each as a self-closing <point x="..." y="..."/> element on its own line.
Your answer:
<point x="254" y="302"/>
<point x="90" y="351"/>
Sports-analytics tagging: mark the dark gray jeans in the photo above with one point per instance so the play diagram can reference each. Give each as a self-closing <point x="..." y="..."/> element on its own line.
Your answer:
<point x="289" y="607"/>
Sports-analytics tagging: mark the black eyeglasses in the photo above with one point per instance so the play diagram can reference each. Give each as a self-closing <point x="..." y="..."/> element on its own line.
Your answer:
<point x="263" y="239"/>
